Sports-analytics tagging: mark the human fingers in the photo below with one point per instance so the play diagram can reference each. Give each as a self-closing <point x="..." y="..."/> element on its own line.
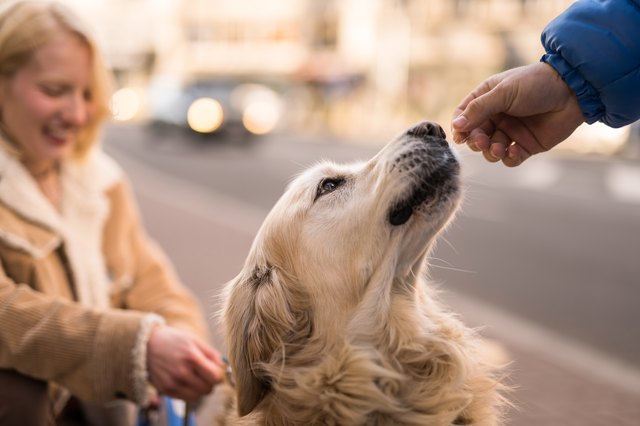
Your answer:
<point x="211" y="353"/>
<point x="179" y="386"/>
<point x="459" y="137"/>
<point x="489" y="157"/>
<point x="180" y="374"/>
<point x="478" y="140"/>
<point x="184" y="390"/>
<point x="174" y="361"/>
<point x="204" y="367"/>
<point x="524" y="139"/>
<point x="488" y="99"/>
<point x="498" y="147"/>
<point x="515" y="155"/>
<point x="208" y="369"/>
<point x="461" y="132"/>
<point x="480" y="111"/>
<point x="480" y="90"/>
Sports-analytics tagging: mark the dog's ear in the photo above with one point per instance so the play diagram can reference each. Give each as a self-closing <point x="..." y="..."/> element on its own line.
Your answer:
<point x="240" y="319"/>
<point x="266" y="315"/>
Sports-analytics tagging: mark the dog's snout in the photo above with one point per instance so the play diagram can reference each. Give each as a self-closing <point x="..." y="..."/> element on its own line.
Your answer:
<point x="427" y="128"/>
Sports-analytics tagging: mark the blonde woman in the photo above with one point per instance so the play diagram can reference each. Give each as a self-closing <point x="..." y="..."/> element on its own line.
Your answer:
<point x="91" y="312"/>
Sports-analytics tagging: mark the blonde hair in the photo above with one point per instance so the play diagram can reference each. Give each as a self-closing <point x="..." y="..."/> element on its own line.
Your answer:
<point x="25" y="26"/>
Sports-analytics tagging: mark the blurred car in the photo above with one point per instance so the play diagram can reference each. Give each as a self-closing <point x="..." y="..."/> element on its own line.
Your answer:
<point x="216" y="105"/>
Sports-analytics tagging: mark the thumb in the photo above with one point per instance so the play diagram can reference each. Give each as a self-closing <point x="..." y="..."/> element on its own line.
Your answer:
<point x="481" y="109"/>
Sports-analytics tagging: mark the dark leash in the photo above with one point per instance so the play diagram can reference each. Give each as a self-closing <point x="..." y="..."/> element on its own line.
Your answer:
<point x="188" y="408"/>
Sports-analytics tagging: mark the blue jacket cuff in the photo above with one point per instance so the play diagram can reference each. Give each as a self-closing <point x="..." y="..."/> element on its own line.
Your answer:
<point x="588" y="98"/>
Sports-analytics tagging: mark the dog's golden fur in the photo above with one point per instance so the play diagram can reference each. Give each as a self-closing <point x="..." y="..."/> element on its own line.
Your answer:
<point x="331" y="322"/>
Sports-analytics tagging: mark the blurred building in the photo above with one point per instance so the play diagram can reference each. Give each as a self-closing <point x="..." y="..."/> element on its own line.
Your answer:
<point x="369" y="64"/>
<point x="365" y="64"/>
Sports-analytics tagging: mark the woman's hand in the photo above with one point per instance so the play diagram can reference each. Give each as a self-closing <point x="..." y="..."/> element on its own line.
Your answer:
<point x="182" y="366"/>
<point x="516" y="114"/>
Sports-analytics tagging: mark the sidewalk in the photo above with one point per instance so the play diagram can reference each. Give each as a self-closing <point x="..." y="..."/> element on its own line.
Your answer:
<point x="208" y="236"/>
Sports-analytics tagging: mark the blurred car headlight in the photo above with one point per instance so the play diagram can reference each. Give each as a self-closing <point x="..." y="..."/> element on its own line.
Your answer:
<point x="205" y="115"/>
<point x="125" y="104"/>
<point x="260" y="106"/>
<point x="260" y="117"/>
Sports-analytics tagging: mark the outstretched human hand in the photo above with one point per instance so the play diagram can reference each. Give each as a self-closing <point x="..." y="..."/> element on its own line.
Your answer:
<point x="182" y="366"/>
<point x="516" y="114"/>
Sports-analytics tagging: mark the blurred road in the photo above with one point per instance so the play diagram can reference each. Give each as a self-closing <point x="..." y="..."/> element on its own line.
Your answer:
<point x="545" y="255"/>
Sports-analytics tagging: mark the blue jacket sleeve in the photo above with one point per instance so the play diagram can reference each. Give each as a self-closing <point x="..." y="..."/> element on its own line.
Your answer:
<point x="595" y="46"/>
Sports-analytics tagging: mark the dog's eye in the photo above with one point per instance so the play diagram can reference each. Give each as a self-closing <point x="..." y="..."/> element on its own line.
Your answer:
<point x="328" y="185"/>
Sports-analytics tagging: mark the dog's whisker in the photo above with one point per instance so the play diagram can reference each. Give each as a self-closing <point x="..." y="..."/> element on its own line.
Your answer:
<point x="443" y="238"/>
<point x="430" y="258"/>
<point x="448" y="265"/>
<point x="299" y="164"/>
<point x="451" y="268"/>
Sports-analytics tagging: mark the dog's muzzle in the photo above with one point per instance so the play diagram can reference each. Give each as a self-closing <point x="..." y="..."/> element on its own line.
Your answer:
<point x="431" y="165"/>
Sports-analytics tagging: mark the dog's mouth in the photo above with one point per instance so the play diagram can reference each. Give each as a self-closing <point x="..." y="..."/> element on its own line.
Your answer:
<point x="432" y="167"/>
<point x="425" y="189"/>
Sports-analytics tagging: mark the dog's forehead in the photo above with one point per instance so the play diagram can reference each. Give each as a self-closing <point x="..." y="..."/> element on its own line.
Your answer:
<point x="325" y="169"/>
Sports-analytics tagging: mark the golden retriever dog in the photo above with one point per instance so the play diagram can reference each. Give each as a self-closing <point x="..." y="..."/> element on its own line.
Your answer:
<point x="331" y="321"/>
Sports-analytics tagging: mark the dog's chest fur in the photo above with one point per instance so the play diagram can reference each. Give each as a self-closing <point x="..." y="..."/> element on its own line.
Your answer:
<point x="416" y="370"/>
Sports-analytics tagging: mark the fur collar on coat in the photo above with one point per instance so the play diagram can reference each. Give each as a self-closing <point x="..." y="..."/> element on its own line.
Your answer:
<point x="78" y="227"/>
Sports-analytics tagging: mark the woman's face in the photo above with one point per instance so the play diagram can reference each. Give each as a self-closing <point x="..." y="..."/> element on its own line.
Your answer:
<point x="47" y="102"/>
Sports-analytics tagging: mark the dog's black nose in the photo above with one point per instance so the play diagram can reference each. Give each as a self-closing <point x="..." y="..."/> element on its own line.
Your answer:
<point x="427" y="128"/>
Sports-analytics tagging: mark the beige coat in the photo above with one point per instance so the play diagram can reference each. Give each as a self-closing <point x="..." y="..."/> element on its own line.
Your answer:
<point x="61" y="275"/>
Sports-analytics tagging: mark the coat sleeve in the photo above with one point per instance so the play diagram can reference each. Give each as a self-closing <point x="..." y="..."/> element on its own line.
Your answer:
<point x="146" y="280"/>
<point x="595" y="46"/>
<point x="87" y="351"/>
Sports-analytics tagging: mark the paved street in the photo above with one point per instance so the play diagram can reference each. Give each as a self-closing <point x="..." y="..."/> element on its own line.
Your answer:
<point x="547" y="260"/>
